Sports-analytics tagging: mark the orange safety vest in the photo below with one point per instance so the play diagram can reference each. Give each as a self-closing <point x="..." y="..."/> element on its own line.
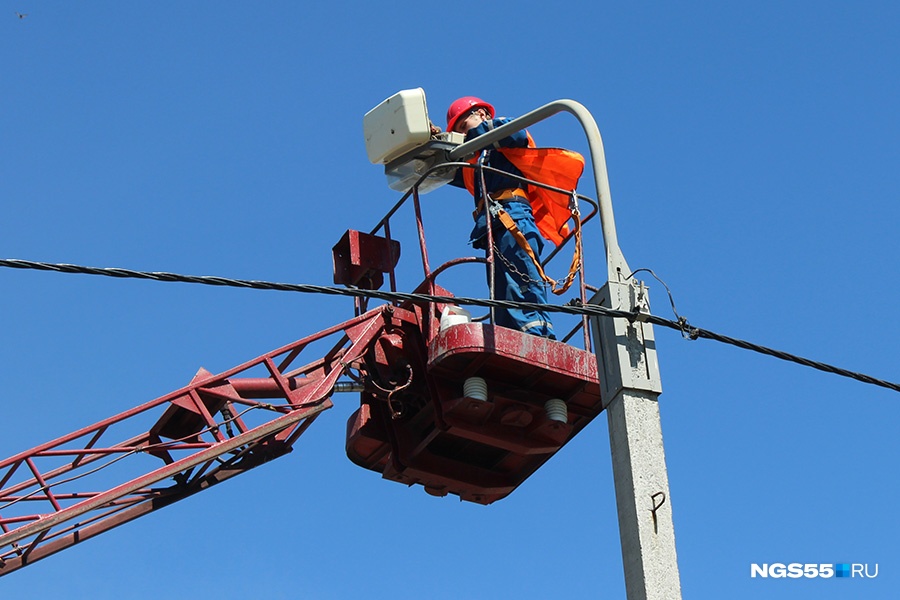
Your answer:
<point x="552" y="166"/>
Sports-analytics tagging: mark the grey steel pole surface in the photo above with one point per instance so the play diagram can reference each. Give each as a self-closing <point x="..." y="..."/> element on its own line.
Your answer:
<point x="630" y="383"/>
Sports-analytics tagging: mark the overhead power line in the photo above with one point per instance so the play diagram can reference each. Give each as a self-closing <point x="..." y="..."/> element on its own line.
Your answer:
<point x="574" y="307"/>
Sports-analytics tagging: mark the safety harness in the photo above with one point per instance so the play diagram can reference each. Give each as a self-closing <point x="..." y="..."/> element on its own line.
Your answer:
<point x="557" y="287"/>
<point x="551" y="209"/>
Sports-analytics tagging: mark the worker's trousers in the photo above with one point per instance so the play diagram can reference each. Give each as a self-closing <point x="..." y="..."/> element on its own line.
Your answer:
<point x="516" y="276"/>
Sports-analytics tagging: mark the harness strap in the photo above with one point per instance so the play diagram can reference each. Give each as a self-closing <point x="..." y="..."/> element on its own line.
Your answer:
<point x="555" y="286"/>
<point x="502" y="195"/>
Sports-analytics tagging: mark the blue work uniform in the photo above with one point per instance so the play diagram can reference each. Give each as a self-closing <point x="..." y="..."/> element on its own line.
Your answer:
<point x="522" y="282"/>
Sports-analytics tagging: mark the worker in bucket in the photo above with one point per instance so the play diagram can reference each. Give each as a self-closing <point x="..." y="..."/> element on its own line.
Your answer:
<point x="518" y="238"/>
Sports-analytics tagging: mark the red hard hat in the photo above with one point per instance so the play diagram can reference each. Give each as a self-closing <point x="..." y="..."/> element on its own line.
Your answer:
<point x="462" y="106"/>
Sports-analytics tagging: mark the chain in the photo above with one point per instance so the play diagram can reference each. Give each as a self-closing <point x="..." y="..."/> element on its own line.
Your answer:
<point x="494" y="208"/>
<point x="570" y="277"/>
<point x="524" y="277"/>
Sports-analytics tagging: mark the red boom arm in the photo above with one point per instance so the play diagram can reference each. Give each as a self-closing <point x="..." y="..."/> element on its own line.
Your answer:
<point x="172" y="447"/>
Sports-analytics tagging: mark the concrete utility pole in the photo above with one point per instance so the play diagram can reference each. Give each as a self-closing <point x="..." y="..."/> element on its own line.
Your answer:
<point x="626" y="359"/>
<point x="630" y="386"/>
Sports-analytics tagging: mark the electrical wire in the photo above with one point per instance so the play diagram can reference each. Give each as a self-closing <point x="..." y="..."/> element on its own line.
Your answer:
<point x="573" y="307"/>
<point x="304" y="288"/>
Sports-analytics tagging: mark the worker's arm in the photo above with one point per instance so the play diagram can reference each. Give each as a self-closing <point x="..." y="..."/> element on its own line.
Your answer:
<point x="517" y="140"/>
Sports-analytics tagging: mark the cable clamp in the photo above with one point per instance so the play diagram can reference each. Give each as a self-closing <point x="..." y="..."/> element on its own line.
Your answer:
<point x="688" y="332"/>
<point x="641" y="305"/>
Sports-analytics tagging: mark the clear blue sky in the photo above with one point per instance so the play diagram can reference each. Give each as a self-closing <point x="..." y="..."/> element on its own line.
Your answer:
<point x="752" y="151"/>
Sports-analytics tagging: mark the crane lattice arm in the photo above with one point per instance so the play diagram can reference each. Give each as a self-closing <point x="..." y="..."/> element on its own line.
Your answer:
<point x="148" y="457"/>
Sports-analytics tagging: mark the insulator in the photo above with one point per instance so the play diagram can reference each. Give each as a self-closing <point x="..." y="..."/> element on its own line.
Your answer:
<point x="475" y="388"/>
<point x="557" y="410"/>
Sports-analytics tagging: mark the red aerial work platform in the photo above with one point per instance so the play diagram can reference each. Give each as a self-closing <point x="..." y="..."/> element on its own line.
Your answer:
<point x="478" y="441"/>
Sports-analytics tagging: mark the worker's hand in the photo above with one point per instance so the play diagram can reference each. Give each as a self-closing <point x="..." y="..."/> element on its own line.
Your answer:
<point x="434" y="128"/>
